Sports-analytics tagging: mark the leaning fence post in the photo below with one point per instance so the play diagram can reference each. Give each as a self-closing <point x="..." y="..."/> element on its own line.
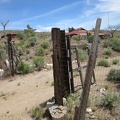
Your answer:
<point x="89" y="73"/>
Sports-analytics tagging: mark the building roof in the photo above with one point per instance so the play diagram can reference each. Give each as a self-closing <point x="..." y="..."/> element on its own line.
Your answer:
<point x="80" y="31"/>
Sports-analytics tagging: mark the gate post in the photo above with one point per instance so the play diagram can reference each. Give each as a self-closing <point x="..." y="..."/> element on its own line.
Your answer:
<point x="60" y="66"/>
<point x="56" y="36"/>
<point x="64" y="71"/>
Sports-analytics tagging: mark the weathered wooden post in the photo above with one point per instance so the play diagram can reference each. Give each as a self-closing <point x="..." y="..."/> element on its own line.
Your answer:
<point x="64" y="73"/>
<point x="91" y="64"/>
<point x="70" y="64"/>
<point x="10" y="54"/>
<point x="56" y="36"/>
<point x="78" y="62"/>
<point x="60" y="66"/>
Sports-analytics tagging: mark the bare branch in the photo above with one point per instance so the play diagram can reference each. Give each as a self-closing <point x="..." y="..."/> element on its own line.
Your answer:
<point x="113" y="29"/>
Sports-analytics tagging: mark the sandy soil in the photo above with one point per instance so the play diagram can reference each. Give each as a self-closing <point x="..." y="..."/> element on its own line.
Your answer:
<point x="20" y="94"/>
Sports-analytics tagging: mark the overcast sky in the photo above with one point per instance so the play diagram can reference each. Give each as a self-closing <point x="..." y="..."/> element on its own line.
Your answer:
<point x="45" y="14"/>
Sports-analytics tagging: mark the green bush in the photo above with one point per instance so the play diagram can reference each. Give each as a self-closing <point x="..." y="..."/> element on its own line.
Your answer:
<point x="40" y="52"/>
<point x="108" y="51"/>
<point x="114" y="43"/>
<point x="90" y="38"/>
<point x="23" y="68"/>
<point x="37" y="113"/>
<point x="106" y="44"/>
<point x="39" y="62"/>
<point x="27" y="51"/>
<point x="21" y="35"/>
<point x="114" y="75"/>
<point x="115" y="61"/>
<point x="76" y="37"/>
<point x="44" y="45"/>
<point x="83" y="55"/>
<point x="103" y="63"/>
<point x="2" y="53"/>
<point x="32" y="43"/>
<point x="106" y="87"/>
<point x="20" y="52"/>
<point x="110" y="101"/>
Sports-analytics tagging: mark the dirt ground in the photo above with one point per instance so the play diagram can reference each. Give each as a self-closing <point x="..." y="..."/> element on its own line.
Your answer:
<point x="20" y="94"/>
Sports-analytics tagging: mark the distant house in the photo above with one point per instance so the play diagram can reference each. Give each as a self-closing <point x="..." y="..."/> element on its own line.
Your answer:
<point x="83" y="33"/>
<point x="80" y="31"/>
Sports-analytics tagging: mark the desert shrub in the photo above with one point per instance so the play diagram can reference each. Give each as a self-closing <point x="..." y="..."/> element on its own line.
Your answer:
<point x="108" y="51"/>
<point x="106" y="57"/>
<point x="103" y="63"/>
<point x="40" y="52"/>
<point x="44" y="45"/>
<point x="76" y="37"/>
<point x="84" y="42"/>
<point x="20" y="52"/>
<point x="51" y="99"/>
<point x="1" y="46"/>
<point x="106" y="87"/>
<point x="23" y="68"/>
<point x="27" y="44"/>
<point x="2" y="53"/>
<point x="37" y="113"/>
<point x="27" y="51"/>
<point x="83" y="55"/>
<point x="39" y="62"/>
<point x="109" y="101"/>
<point x="20" y="35"/>
<point x="114" y="43"/>
<point x="32" y="41"/>
<point x="115" y="61"/>
<point x="106" y="44"/>
<point x="26" y="58"/>
<point x="90" y="38"/>
<point x="114" y="75"/>
<point x="29" y="32"/>
<point x="21" y="43"/>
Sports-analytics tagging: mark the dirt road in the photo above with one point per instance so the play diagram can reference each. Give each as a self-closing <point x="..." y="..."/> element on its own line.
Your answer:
<point x="20" y="94"/>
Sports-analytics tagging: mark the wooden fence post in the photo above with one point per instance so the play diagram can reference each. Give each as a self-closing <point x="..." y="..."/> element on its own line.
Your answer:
<point x="70" y="64"/>
<point x="56" y="36"/>
<point x="89" y="73"/>
<point x="64" y="73"/>
<point x="10" y="54"/>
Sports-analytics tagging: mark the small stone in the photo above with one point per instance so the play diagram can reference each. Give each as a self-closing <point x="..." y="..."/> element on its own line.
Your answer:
<point x="49" y="104"/>
<point x="58" y="112"/>
<point x="92" y="117"/>
<point x="88" y="110"/>
<point x="91" y="113"/>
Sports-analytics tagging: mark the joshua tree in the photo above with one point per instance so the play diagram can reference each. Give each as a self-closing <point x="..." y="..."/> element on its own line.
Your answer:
<point x="4" y="25"/>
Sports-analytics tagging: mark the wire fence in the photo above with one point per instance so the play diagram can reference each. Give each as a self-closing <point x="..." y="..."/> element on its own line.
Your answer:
<point x="104" y="97"/>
